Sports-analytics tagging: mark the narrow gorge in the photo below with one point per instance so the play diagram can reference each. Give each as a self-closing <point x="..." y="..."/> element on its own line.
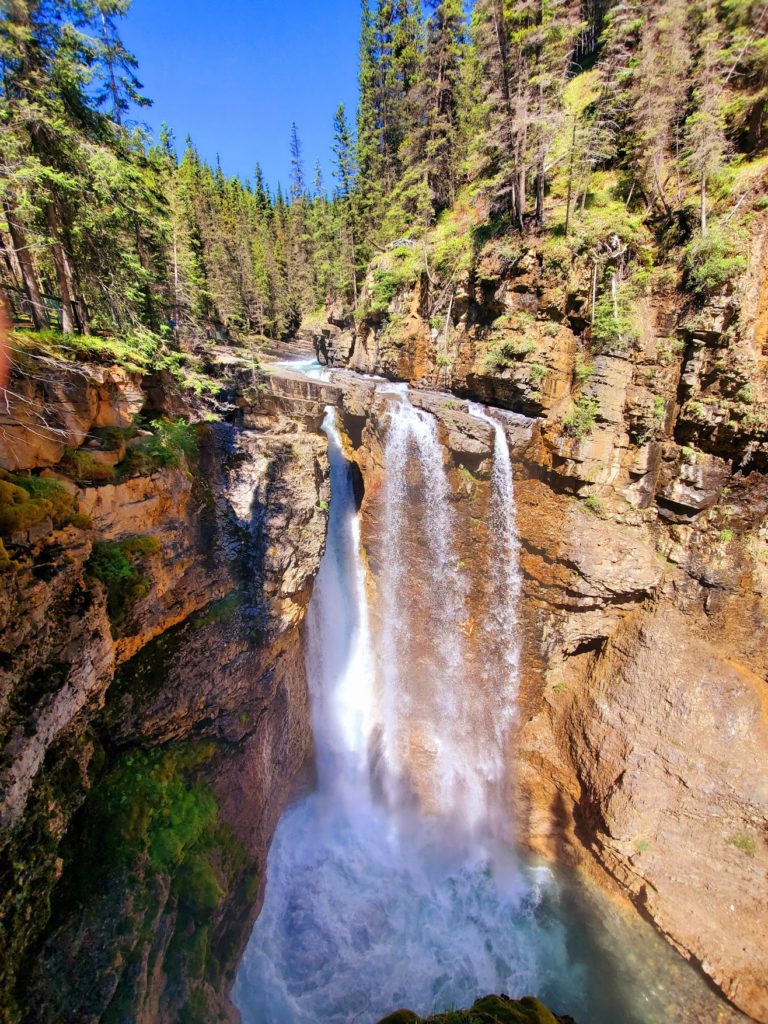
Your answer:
<point x="384" y="568"/>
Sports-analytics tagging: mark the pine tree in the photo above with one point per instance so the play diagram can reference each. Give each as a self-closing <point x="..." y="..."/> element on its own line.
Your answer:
<point x="705" y="143"/>
<point x="659" y="88"/>
<point x="298" y="182"/>
<point x="345" y="199"/>
<point x="431" y="146"/>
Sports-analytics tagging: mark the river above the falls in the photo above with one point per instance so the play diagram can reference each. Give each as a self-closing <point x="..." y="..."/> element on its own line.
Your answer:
<point x="395" y="882"/>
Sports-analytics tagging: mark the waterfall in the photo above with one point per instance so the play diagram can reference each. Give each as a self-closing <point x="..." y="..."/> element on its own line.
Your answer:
<point x="340" y="666"/>
<point x="393" y="894"/>
<point x="505" y="560"/>
<point x="422" y="652"/>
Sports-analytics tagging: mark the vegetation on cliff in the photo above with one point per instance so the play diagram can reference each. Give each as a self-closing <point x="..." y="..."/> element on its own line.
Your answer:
<point x="489" y="1010"/>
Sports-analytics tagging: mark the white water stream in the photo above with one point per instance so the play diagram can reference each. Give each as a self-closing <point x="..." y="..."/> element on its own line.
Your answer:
<point x="393" y="884"/>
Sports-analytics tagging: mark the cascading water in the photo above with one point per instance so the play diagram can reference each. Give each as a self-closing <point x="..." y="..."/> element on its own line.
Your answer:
<point x="424" y="727"/>
<point x="505" y="561"/>
<point x="386" y="886"/>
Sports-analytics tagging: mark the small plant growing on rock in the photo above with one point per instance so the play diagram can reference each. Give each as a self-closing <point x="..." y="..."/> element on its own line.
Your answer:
<point x="594" y="505"/>
<point x="581" y="420"/>
<point x="710" y="262"/>
<point x="641" y="846"/>
<point x="744" y="842"/>
<point x="120" y="567"/>
<point x="726" y="536"/>
<point x="583" y="370"/>
<point x="537" y="373"/>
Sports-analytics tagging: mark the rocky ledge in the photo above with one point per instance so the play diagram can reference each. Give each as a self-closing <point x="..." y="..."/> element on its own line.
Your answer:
<point x="490" y="1010"/>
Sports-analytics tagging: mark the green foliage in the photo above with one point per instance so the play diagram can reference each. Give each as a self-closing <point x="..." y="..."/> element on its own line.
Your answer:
<point x="582" y="370"/>
<point x="581" y="420"/>
<point x="137" y="351"/>
<point x="86" y="468"/>
<point x="392" y="273"/>
<point x="641" y="846"/>
<point x="171" y="444"/>
<point x="119" y="565"/>
<point x="504" y="352"/>
<point x="146" y="806"/>
<point x="744" y="842"/>
<point x="537" y="373"/>
<point x="726" y="536"/>
<point x="594" y="504"/>
<point x="614" y="328"/>
<point x="711" y="262"/>
<point x="26" y="501"/>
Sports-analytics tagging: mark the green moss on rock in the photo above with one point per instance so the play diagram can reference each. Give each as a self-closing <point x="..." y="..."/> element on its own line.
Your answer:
<point x="120" y="567"/>
<point x="489" y="1010"/>
<point x="27" y="501"/>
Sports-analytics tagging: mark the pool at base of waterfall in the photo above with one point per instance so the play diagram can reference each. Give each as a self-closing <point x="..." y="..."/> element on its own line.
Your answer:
<point x="363" y="916"/>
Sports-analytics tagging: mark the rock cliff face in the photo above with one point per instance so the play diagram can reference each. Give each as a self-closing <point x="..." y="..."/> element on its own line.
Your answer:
<point x="140" y="725"/>
<point x="642" y="502"/>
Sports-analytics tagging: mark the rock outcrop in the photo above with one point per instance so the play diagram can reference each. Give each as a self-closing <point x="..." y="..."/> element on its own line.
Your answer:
<point x="642" y="503"/>
<point x="193" y="684"/>
<point x="489" y="1010"/>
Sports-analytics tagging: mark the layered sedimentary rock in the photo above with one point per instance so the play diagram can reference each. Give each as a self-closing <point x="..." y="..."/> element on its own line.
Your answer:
<point x="198" y="688"/>
<point x="642" y="503"/>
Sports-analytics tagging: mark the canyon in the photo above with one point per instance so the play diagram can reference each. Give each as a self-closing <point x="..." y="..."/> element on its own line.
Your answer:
<point x="637" y="729"/>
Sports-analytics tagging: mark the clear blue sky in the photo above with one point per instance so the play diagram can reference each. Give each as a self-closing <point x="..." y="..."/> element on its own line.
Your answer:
<point x="233" y="74"/>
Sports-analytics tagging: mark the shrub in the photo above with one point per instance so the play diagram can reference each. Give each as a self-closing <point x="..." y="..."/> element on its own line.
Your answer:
<point x="580" y="421"/>
<point x="583" y="370"/>
<point x="710" y="262"/>
<point x="503" y="354"/>
<point x="537" y="373"/>
<point x="614" y="328"/>
<point x="397" y="270"/>
<point x="26" y="501"/>
<point x="119" y="566"/>
<point x="172" y="443"/>
<point x="726" y="536"/>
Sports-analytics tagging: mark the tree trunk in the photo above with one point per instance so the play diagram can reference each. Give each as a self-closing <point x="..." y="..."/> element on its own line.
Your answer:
<point x="27" y="269"/>
<point x="5" y="330"/>
<point x="70" y="323"/>
<point x="540" y="180"/>
<point x="571" y="162"/>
